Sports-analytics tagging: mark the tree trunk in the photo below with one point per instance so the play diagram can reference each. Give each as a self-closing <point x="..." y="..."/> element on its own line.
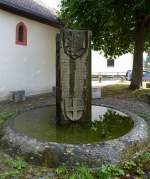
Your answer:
<point x="137" y="71"/>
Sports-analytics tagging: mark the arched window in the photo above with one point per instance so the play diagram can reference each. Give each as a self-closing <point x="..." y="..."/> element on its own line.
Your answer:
<point x="21" y="34"/>
<point x="110" y="63"/>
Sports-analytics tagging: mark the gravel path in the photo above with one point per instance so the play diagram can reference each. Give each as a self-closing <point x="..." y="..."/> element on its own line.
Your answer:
<point x="140" y="108"/>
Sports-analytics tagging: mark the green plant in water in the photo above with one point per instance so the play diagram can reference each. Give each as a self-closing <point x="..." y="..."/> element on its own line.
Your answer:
<point x="108" y="171"/>
<point x="103" y="122"/>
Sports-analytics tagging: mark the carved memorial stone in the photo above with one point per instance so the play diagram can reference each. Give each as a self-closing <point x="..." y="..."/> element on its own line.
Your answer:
<point x="73" y="76"/>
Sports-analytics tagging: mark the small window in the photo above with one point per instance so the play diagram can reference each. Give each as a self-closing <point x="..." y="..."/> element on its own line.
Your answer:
<point x="110" y="63"/>
<point x="21" y="34"/>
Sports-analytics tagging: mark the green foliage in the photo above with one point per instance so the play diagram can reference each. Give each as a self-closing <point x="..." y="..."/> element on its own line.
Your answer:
<point x="139" y="171"/>
<point x="112" y="115"/>
<point x="108" y="118"/>
<point x="144" y="156"/>
<point x="147" y="62"/>
<point x="108" y="171"/>
<point x="144" y="160"/>
<point x="122" y="91"/>
<point x="61" y="171"/>
<point x="134" y="167"/>
<point x="15" y="167"/>
<point x="118" y="27"/>
<point x="17" y="164"/>
<point x="112" y="22"/>
<point x="4" y="116"/>
<point x="130" y="165"/>
<point x="9" y="174"/>
<point x="83" y="173"/>
<point x="144" y="115"/>
<point x="79" y="172"/>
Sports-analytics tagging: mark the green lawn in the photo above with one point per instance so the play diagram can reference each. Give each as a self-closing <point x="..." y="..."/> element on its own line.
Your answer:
<point x="121" y="90"/>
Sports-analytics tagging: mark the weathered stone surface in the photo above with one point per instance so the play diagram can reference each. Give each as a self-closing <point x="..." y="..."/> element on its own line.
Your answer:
<point x="18" y="96"/>
<point x="147" y="85"/>
<point x="96" y="92"/>
<point x="52" y="154"/>
<point x="73" y="76"/>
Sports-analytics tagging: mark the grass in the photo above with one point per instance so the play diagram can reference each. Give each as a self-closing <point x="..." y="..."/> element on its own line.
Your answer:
<point x="17" y="168"/>
<point x="121" y="90"/>
<point x="126" y="170"/>
<point x="4" y="116"/>
<point x="144" y="115"/>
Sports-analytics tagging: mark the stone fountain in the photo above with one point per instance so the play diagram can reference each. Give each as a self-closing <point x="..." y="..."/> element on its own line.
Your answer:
<point x="73" y="94"/>
<point x="52" y="135"/>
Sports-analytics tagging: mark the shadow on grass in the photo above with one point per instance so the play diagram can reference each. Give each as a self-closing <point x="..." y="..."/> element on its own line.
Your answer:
<point x="123" y="91"/>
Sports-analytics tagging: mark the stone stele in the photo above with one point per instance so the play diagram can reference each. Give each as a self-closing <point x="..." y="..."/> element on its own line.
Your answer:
<point x="73" y="76"/>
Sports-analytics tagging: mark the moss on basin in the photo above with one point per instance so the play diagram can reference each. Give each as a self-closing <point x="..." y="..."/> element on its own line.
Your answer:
<point x="39" y="123"/>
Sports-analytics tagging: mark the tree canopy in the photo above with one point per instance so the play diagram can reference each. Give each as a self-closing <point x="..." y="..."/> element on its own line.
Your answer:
<point x="118" y="26"/>
<point x="112" y="22"/>
<point x="147" y="62"/>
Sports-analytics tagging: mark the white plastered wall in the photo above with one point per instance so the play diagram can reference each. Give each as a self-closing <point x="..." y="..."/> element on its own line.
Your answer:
<point x="32" y="67"/>
<point x="121" y="64"/>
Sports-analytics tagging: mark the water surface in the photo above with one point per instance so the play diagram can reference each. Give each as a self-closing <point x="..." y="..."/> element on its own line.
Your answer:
<point x="40" y="123"/>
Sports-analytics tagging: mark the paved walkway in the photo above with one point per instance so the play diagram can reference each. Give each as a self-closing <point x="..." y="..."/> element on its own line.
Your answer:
<point x="140" y="108"/>
<point x="105" y="83"/>
<point x="128" y="104"/>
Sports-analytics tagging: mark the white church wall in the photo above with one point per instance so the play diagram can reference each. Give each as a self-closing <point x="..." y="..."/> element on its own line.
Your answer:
<point x="32" y="67"/>
<point x="121" y="64"/>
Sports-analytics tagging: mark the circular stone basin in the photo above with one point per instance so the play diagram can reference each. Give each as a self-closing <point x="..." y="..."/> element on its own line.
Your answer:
<point x="34" y="135"/>
<point x="40" y="124"/>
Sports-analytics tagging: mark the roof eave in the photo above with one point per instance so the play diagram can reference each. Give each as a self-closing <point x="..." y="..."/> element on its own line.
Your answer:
<point x="31" y="16"/>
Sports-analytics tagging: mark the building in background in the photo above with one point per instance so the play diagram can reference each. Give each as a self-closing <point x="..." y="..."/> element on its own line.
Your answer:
<point x="28" y="47"/>
<point x="120" y="65"/>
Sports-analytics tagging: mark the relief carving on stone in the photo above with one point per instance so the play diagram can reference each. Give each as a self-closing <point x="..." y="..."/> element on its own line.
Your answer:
<point x="74" y="73"/>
